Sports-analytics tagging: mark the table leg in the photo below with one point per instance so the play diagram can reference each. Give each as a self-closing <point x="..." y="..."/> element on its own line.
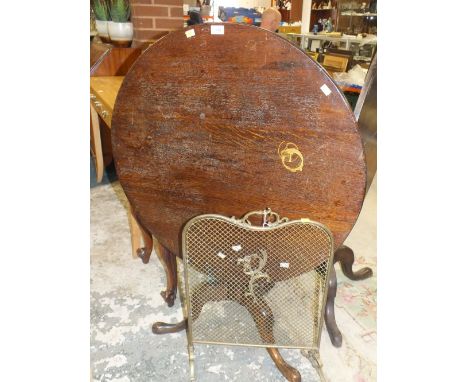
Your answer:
<point x="137" y="234"/>
<point x="263" y="317"/>
<point x="170" y="266"/>
<point x="96" y="145"/>
<point x="289" y="372"/>
<point x="330" y="321"/>
<point x="165" y="328"/>
<point x="260" y="312"/>
<point x="168" y="260"/>
<point x="345" y="256"/>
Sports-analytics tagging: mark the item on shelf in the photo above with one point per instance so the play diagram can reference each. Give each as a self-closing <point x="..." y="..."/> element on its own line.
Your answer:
<point x="101" y="12"/>
<point x="120" y="28"/>
<point x="286" y="28"/>
<point x="194" y="18"/>
<point x="92" y="24"/>
<point x="328" y="25"/>
<point x="320" y="25"/>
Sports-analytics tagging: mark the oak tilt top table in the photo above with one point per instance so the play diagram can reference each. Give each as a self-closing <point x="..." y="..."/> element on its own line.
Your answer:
<point x="228" y="118"/>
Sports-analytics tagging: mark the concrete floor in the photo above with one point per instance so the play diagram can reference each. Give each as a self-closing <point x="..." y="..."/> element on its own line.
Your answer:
<point x="125" y="301"/>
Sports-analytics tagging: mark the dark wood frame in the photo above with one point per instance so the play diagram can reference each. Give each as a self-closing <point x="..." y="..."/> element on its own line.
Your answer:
<point x="343" y="255"/>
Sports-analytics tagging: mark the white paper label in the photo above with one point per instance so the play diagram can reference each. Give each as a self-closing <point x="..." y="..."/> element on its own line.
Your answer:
<point x="236" y="248"/>
<point x="284" y="265"/>
<point x="190" y="33"/>
<point x="217" y="29"/>
<point x="220" y="254"/>
<point x="326" y="90"/>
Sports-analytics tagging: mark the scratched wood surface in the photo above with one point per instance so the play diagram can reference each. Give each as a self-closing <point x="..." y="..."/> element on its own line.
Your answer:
<point x="234" y="122"/>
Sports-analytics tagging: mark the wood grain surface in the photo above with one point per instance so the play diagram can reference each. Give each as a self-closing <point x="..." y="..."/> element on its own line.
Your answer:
<point x="234" y="122"/>
<point x="112" y="61"/>
<point x="105" y="90"/>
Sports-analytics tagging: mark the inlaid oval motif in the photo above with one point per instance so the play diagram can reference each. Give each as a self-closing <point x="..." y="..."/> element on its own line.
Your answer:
<point x="291" y="157"/>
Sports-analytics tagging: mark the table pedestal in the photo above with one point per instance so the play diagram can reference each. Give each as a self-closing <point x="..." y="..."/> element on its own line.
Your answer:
<point x="343" y="255"/>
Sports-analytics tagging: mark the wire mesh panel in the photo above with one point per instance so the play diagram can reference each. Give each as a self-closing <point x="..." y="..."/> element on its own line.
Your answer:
<point x="256" y="285"/>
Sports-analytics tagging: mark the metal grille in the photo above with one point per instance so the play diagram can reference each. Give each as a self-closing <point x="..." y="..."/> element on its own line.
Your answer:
<point x="256" y="286"/>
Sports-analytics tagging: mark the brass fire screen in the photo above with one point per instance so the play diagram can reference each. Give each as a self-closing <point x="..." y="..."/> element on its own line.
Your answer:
<point x="256" y="285"/>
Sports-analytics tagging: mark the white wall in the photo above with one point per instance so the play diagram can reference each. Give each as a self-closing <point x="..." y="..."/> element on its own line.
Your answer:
<point x="243" y="3"/>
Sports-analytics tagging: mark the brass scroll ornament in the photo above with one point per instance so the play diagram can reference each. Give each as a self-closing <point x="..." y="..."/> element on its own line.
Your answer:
<point x="255" y="274"/>
<point x="291" y="157"/>
<point x="270" y="218"/>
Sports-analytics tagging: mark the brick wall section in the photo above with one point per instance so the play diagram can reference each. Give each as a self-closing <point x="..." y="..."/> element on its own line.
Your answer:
<point x="153" y="19"/>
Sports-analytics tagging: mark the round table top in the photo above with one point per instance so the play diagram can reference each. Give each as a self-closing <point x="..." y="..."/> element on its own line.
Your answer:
<point x="227" y="119"/>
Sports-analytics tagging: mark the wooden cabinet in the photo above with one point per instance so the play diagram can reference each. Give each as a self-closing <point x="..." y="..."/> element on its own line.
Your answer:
<point x="296" y="11"/>
<point x="356" y="17"/>
<point x="348" y="16"/>
<point x="285" y="15"/>
<point x="320" y="12"/>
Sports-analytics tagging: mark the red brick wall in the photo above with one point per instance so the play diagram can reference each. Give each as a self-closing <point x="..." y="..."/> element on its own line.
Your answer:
<point x="153" y="19"/>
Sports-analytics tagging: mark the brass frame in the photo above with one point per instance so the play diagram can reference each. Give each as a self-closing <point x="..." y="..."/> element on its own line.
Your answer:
<point x="312" y="353"/>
